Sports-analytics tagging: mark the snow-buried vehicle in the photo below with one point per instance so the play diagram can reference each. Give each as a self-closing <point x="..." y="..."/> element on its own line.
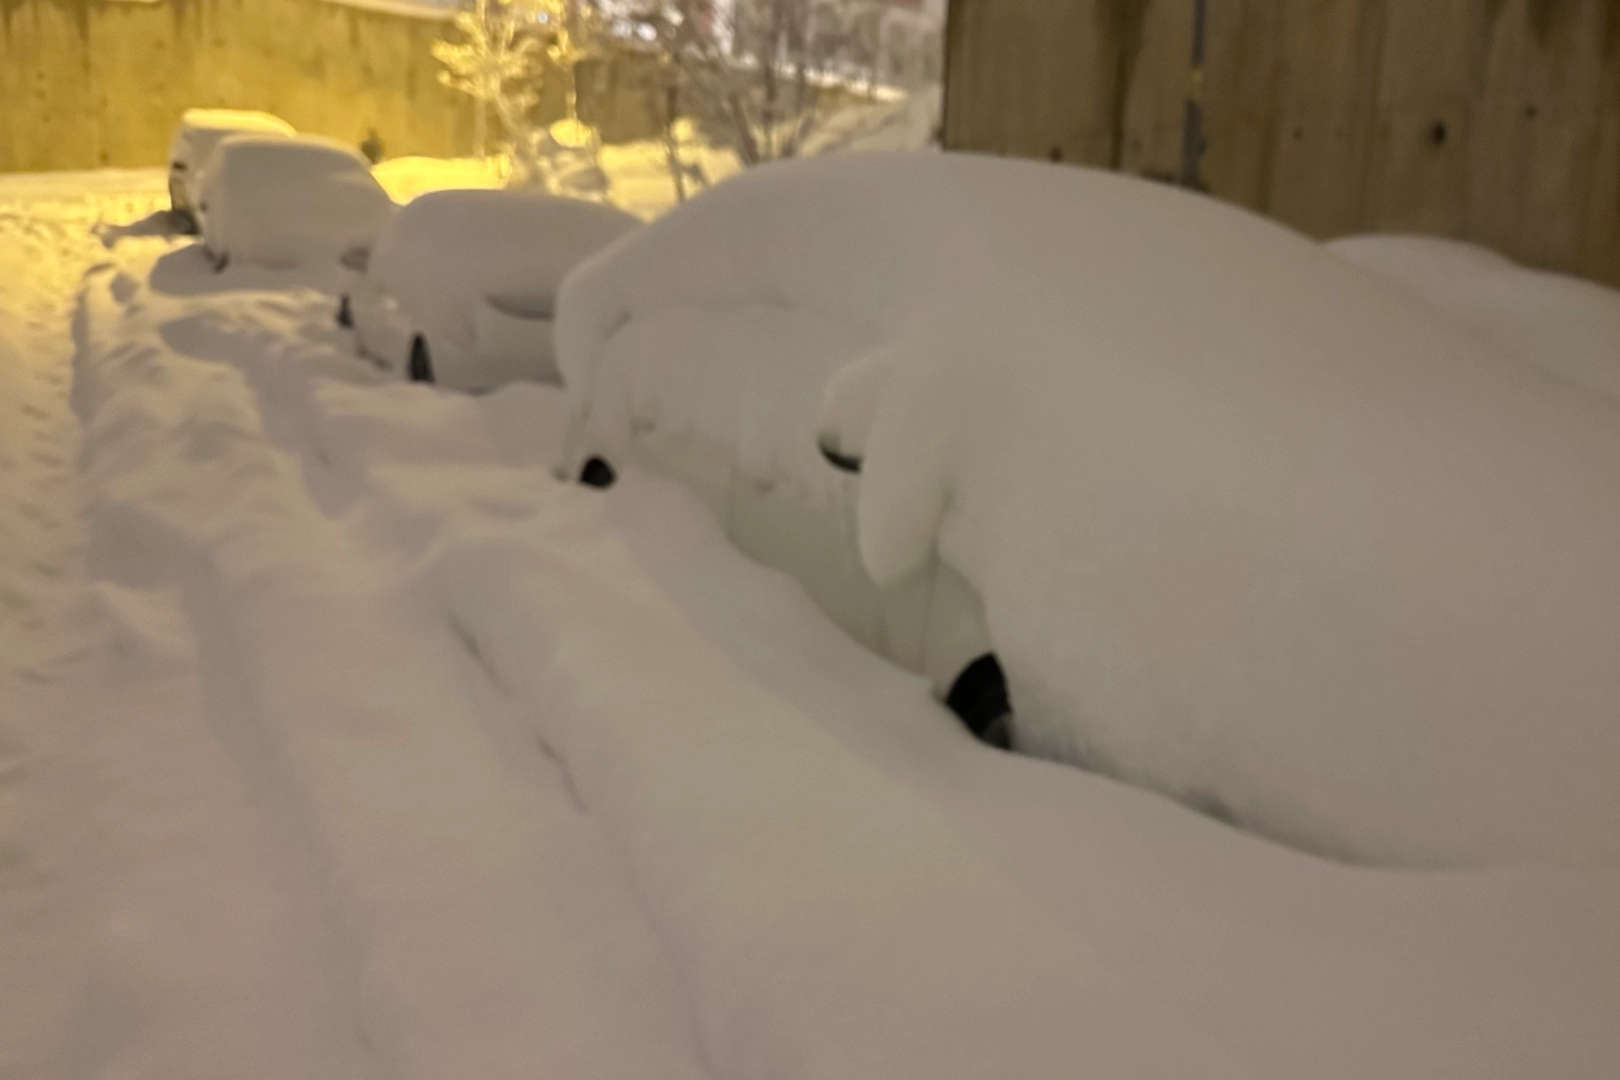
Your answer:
<point x="197" y="135"/>
<point x="1244" y="524"/>
<point x="461" y="287"/>
<point x="289" y="201"/>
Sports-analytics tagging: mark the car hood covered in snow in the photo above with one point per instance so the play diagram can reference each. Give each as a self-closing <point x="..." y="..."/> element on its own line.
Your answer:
<point x="1251" y="528"/>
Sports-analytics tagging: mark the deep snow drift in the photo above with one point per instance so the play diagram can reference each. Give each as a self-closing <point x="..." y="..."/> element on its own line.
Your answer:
<point x="393" y="757"/>
<point x="1251" y="528"/>
<point x="445" y="651"/>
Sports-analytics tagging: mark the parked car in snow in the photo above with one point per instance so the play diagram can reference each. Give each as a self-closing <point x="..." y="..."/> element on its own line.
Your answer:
<point x="691" y="351"/>
<point x="199" y="133"/>
<point x="461" y="287"/>
<point x="1564" y="325"/>
<point x="1242" y="524"/>
<point x="279" y="201"/>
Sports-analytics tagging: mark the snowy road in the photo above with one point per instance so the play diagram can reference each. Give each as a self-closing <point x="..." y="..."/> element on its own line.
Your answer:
<point x="48" y="632"/>
<point x="180" y="897"/>
<point x="340" y="740"/>
<point x="150" y="894"/>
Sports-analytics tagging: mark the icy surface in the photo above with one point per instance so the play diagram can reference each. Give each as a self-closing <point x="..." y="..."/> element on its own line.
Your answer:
<point x="282" y="203"/>
<point x="1562" y="324"/>
<point x="1251" y="528"/>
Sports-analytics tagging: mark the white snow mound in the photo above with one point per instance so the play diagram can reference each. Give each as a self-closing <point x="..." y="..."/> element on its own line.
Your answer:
<point x="1252" y="529"/>
<point x="1563" y="324"/>
<point x="446" y="251"/>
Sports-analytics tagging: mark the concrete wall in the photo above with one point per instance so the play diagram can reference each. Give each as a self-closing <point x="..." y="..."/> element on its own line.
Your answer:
<point x="86" y="83"/>
<point x="1493" y="120"/>
<point x="101" y="82"/>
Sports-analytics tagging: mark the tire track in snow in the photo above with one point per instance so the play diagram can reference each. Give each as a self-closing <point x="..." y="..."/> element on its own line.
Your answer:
<point x="444" y="818"/>
<point x="151" y="921"/>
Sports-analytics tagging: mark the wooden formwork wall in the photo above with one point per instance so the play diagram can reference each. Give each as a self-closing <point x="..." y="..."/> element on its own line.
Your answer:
<point x="1491" y="120"/>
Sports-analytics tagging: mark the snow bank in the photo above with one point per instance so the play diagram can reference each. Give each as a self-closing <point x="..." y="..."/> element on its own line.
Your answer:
<point x="1304" y="967"/>
<point x="1562" y="324"/>
<point x="1250" y="529"/>
<point x="281" y="202"/>
<point x="828" y="922"/>
<point x="844" y="882"/>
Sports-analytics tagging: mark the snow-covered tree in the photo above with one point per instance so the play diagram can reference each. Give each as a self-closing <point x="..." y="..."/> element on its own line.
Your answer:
<point x="764" y="77"/>
<point x="500" y="56"/>
<point x="493" y="58"/>
<point x="753" y="74"/>
<point x="678" y="33"/>
<point x="772" y="98"/>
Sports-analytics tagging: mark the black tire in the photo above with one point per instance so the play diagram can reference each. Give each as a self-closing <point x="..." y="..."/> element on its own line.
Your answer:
<point x="421" y="365"/>
<point x="345" y="313"/>
<point x="598" y="474"/>
<point x="980" y="700"/>
<point x="842" y="462"/>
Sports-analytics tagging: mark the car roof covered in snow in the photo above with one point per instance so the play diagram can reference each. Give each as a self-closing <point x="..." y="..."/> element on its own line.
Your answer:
<point x="227" y="120"/>
<point x="447" y="249"/>
<point x="279" y="201"/>
<point x="511" y="241"/>
<point x="298" y="154"/>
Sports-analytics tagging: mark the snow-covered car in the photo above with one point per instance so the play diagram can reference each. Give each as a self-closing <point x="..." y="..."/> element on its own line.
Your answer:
<point x="275" y="201"/>
<point x="199" y="133"/>
<point x="1566" y="325"/>
<point x="1246" y="526"/>
<point x="461" y="287"/>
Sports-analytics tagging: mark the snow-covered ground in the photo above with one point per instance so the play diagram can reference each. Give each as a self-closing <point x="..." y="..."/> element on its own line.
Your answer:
<point x="340" y="739"/>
